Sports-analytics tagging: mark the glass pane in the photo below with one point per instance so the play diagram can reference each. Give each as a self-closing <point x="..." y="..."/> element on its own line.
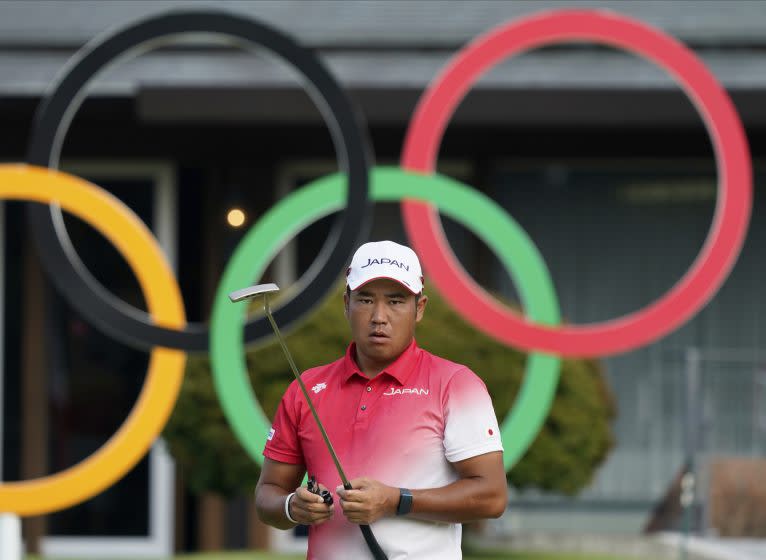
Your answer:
<point x="95" y="381"/>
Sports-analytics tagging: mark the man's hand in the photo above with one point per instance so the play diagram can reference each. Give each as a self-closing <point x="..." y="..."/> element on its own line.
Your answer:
<point x="308" y="508"/>
<point x="369" y="501"/>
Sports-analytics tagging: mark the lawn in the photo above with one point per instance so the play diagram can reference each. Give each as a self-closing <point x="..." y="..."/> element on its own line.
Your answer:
<point x="484" y="556"/>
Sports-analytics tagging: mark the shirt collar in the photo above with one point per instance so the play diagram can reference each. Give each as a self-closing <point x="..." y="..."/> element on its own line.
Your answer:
<point x="399" y="369"/>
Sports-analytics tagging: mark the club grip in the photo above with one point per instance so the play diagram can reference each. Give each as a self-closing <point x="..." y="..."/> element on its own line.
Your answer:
<point x="372" y="543"/>
<point x="369" y="538"/>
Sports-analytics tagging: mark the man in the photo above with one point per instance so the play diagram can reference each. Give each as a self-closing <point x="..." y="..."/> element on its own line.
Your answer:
<point x="415" y="433"/>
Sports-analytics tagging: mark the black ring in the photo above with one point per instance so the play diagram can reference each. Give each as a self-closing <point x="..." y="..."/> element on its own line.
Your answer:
<point x="64" y="266"/>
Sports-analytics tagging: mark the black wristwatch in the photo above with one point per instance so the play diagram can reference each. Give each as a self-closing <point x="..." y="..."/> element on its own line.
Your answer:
<point x="405" y="502"/>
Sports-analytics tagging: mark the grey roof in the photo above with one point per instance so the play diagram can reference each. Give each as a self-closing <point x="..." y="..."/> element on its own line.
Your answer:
<point x="387" y="22"/>
<point x="376" y="44"/>
<point x="29" y="73"/>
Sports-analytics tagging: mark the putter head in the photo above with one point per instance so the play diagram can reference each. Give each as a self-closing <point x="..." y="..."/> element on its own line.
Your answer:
<point x="252" y="291"/>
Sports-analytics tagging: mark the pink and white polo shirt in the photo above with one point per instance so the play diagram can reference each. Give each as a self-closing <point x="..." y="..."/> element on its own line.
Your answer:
<point x="404" y="427"/>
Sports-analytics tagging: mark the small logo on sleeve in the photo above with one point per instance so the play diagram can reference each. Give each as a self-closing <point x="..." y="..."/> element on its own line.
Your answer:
<point x="319" y="387"/>
<point x="271" y="434"/>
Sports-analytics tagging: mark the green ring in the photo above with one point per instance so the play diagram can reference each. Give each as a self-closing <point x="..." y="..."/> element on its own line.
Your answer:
<point x="389" y="184"/>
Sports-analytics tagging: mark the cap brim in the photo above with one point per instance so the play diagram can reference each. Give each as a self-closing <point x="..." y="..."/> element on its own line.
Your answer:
<point x="368" y="280"/>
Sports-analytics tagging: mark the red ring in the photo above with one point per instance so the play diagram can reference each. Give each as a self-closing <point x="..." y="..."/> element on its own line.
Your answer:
<point x="732" y="212"/>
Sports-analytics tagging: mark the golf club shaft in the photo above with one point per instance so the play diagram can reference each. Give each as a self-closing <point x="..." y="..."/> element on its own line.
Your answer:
<point x="369" y="538"/>
<point x="289" y="357"/>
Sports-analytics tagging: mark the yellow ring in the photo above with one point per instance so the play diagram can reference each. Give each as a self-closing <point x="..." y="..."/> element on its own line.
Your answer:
<point x="166" y="367"/>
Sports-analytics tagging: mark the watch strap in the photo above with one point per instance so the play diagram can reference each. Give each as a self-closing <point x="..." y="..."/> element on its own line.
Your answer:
<point x="405" y="502"/>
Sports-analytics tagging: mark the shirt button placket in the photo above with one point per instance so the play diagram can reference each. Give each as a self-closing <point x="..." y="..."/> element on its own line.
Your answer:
<point x="364" y="398"/>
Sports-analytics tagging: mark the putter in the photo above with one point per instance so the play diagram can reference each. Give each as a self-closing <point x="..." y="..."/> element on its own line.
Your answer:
<point x="265" y="290"/>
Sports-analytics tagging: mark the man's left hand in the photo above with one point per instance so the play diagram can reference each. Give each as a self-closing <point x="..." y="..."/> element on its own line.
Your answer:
<point x="369" y="501"/>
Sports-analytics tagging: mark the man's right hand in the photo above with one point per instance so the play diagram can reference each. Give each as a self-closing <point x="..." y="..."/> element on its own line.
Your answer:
<point x="308" y="508"/>
<point x="273" y="488"/>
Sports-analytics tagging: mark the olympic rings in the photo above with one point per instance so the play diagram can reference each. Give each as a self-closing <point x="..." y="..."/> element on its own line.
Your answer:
<point x="732" y="212"/>
<point x="324" y="196"/>
<point x="165" y="332"/>
<point x="62" y="263"/>
<point x="166" y="366"/>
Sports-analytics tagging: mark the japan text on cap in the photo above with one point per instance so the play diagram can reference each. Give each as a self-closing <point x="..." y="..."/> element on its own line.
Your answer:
<point x="385" y="259"/>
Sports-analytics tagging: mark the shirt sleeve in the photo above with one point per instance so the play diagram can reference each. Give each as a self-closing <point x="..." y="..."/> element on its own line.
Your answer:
<point x="282" y="442"/>
<point x="470" y="424"/>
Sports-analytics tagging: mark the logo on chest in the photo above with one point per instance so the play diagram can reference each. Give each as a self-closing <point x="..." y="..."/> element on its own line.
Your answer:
<point x="405" y="391"/>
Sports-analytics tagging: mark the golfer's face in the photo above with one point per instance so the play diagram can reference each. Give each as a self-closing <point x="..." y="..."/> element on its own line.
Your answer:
<point x="382" y="315"/>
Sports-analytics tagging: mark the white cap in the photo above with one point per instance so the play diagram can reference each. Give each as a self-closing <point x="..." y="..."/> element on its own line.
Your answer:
<point x="385" y="259"/>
